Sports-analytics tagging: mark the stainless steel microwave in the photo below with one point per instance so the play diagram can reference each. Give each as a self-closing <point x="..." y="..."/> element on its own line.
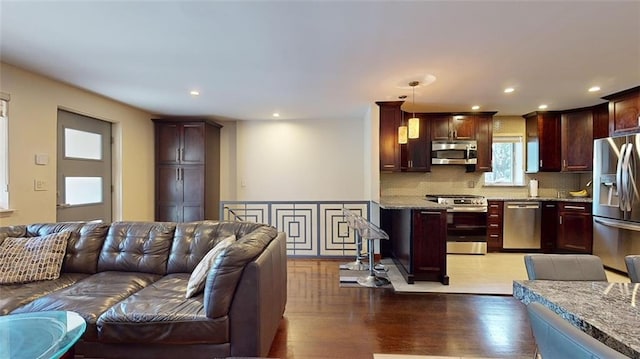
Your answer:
<point x="456" y="152"/>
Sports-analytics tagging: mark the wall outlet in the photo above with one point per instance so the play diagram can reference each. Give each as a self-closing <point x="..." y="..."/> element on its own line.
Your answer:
<point x="40" y="185"/>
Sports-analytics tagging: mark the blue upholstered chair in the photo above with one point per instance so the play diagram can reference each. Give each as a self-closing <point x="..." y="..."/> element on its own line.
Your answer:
<point x="556" y="338"/>
<point x="565" y="267"/>
<point x="633" y="267"/>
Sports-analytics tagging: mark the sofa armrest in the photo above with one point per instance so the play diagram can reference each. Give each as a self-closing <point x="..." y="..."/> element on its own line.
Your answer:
<point x="259" y="302"/>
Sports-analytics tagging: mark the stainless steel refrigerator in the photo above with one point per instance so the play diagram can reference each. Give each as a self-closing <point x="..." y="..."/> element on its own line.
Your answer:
<point x="616" y="199"/>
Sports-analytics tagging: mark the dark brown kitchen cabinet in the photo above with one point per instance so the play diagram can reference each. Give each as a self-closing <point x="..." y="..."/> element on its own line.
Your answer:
<point x="416" y="154"/>
<point x="575" y="228"/>
<point x="179" y="193"/>
<point x="390" y="151"/>
<point x="577" y="140"/>
<point x="601" y="121"/>
<point x="418" y="240"/>
<point x="484" y="137"/>
<point x="453" y="127"/>
<point x="494" y="225"/>
<point x="549" y="223"/>
<point x="187" y="170"/>
<point x="624" y="111"/>
<point x="543" y="142"/>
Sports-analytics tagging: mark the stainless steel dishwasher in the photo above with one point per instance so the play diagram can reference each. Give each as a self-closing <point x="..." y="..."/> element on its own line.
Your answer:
<point x="521" y="225"/>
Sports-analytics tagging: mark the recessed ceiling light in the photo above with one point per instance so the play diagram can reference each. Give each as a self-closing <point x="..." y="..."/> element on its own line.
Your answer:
<point x="509" y="90"/>
<point x="275" y="114"/>
<point x="543" y="107"/>
<point x="594" y="88"/>
<point x="475" y="107"/>
<point x="194" y="93"/>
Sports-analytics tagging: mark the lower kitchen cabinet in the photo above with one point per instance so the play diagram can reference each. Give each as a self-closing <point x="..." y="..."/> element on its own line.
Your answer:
<point x="418" y="241"/>
<point x="575" y="228"/>
<point x="494" y="225"/>
<point x="549" y="230"/>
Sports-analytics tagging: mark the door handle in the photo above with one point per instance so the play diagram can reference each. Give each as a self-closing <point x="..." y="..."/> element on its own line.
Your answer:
<point x="575" y="207"/>
<point x="63" y="205"/>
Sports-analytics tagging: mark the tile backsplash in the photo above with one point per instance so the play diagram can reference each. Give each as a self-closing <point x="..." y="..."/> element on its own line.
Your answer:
<point x="454" y="180"/>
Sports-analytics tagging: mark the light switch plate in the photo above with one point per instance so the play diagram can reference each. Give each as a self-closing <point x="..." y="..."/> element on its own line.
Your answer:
<point x="39" y="185"/>
<point x="42" y="159"/>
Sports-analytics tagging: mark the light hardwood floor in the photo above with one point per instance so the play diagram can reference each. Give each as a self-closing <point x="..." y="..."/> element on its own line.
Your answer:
<point x="492" y="273"/>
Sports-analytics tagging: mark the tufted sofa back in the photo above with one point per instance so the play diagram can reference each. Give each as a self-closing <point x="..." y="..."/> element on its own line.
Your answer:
<point x="137" y="247"/>
<point x="193" y="240"/>
<point x="147" y="247"/>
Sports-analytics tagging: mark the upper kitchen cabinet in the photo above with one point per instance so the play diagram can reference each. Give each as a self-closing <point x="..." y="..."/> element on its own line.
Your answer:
<point x="416" y="154"/>
<point x="453" y="127"/>
<point x="601" y="121"/>
<point x="577" y="140"/>
<point x="390" y="118"/>
<point x="484" y="137"/>
<point x="543" y="141"/>
<point x="624" y="111"/>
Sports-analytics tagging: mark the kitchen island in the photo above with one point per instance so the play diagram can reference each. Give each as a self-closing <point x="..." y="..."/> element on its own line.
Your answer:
<point x="417" y="231"/>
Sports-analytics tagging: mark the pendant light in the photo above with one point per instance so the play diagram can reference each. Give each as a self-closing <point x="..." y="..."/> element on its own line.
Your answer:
<point x="414" y="122"/>
<point x="403" y="130"/>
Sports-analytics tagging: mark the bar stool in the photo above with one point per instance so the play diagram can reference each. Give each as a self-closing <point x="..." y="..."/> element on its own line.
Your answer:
<point x="355" y="222"/>
<point x="371" y="233"/>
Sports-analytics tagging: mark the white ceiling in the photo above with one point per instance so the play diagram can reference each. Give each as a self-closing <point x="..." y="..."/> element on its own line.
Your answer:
<point x="328" y="59"/>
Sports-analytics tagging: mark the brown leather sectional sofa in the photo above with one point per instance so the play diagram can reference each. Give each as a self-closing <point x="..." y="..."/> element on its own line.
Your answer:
<point x="128" y="281"/>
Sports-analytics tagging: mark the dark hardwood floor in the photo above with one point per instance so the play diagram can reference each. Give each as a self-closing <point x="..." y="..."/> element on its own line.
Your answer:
<point x="323" y="320"/>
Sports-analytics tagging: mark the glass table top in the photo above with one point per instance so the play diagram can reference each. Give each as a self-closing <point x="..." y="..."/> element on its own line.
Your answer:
<point x="40" y="334"/>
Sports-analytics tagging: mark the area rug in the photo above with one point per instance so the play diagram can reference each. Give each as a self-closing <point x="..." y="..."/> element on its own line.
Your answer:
<point x="349" y="278"/>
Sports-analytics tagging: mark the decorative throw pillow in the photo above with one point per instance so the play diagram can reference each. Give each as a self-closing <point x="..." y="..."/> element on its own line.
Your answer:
<point x="32" y="258"/>
<point x="199" y="274"/>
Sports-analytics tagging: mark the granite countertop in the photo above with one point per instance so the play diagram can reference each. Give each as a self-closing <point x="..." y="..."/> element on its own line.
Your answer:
<point x="409" y="202"/>
<point x="606" y="311"/>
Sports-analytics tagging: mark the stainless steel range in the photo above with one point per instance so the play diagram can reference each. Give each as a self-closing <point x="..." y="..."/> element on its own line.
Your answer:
<point x="466" y="223"/>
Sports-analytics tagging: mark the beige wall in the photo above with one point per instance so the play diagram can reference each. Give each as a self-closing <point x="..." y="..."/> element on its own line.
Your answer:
<point x="32" y="129"/>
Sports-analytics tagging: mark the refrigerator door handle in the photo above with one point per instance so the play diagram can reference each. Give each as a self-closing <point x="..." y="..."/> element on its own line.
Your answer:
<point x="619" y="187"/>
<point x="617" y="224"/>
<point x="626" y="178"/>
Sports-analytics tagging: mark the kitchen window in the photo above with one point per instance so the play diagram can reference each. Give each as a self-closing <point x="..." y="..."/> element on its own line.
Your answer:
<point x="4" y="155"/>
<point x="508" y="160"/>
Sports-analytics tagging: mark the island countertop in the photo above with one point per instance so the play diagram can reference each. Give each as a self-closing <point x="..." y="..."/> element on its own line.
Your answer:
<point x="409" y="202"/>
<point x="606" y="311"/>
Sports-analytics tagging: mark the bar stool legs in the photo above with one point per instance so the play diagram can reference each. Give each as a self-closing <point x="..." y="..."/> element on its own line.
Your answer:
<point x="357" y="264"/>
<point x="372" y="280"/>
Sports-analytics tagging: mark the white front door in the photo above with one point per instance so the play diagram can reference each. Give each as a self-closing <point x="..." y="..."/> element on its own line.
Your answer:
<point x="84" y="168"/>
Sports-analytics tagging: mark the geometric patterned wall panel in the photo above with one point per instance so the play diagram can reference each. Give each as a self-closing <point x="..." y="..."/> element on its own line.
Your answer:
<point x="247" y="212"/>
<point x="314" y="229"/>
<point x="299" y="222"/>
<point x="336" y="238"/>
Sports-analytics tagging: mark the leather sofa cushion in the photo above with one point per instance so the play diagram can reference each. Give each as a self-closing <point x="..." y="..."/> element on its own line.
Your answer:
<point x="160" y="313"/>
<point x="137" y="247"/>
<point x="15" y="295"/>
<point x="83" y="246"/>
<point x="13" y="231"/>
<point x="83" y="250"/>
<point x="223" y="277"/>
<point x="92" y="296"/>
<point x="192" y="241"/>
